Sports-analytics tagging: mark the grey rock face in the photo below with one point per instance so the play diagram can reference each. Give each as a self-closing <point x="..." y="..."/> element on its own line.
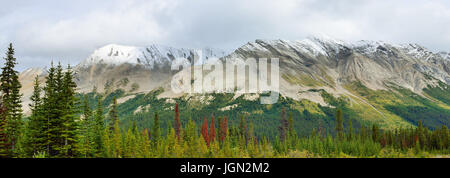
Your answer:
<point x="372" y="63"/>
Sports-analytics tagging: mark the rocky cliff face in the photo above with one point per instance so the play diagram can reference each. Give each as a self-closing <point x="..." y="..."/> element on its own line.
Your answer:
<point x="321" y="62"/>
<point x="373" y="63"/>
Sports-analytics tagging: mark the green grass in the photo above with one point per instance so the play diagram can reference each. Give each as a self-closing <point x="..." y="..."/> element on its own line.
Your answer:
<point x="400" y="103"/>
<point x="440" y="92"/>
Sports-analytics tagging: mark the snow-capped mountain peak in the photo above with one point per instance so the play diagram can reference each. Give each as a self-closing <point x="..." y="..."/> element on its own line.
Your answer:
<point x="150" y="56"/>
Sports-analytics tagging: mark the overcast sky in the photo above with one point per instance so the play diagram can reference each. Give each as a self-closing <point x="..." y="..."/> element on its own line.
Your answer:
<point x="68" y="31"/>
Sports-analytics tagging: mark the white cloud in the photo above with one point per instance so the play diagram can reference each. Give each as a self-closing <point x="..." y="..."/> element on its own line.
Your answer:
<point x="69" y="31"/>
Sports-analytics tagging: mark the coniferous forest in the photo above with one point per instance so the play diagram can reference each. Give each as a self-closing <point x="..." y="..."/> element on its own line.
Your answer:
<point x="63" y="124"/>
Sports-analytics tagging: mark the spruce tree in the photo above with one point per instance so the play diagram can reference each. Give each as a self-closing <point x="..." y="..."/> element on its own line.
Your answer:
<point x="224" y="128"/>
<point x="117" y="140"/>
<point x="59" y="105"/>
<point x="56" y="121"/>
<point x="375" y="133"/>
<point x="350" y="129"/>
<point x="177" y="124"/>
<point x="69" y="131"/>
<point x="113" y="115"/>
<point x="284" y="124"/>
<point x="292" y="133"/>
<point x="242" y="124"/>
<point x="251" y="134"/>
<point x="339" y="124"/>
<point x="86" y="130"/>
<point x="98" y="130"/>
<point x="36" y="132"/>
<point x="156" y="130"/>
<point x="10" y="88"/>
<point x="49" y="105"/>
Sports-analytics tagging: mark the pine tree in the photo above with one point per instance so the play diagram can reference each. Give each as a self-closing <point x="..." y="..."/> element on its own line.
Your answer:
<point x="57" y="106"/>
<point x="70" y="131"/>
<point x="130" y="143"/>
<point x="36" y="132"/>
<point x="50" y="102"/>
<point x="177" y="124"/>
<point x="284" y="124"/>
<point x="251" y="133"/>
<point x="87" y="127"/>
<point x="117" y="141"/>
<point x="290" y="124"/>
<point x="107" y="140"/>
<point x="350" y="129"/>
<point x="113" y="115"/>
<point x="10" y="88"/>
<point x="420" y="133"/>
<point x="98" y="130"/>
<point x="375" y="133"/>
<point x="445" y="137"/>
<point x="339" y="124"/>
<point x="156" y="131"/>
<point x="60" y="112"/>
<point x="242" y="126"/>
<point x="363" y="134"/>
<point x="292" y="133"/>
<point x="224" y="128"/>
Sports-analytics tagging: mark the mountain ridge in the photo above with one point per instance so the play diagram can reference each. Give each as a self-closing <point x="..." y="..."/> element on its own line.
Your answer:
<point x="311" y="69"/>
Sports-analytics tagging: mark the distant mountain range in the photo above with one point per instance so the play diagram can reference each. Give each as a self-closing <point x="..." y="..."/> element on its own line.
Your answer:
<point x="380" y="82"/>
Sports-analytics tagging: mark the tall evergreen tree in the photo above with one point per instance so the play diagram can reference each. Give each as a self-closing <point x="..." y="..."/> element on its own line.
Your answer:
<point x="284" y="124"/>
<point x="242" y="126"/>
<point x="350" y="129"/>
<point x="224" y="128"/>
<point x="339" y="124"/>
<point x="117" y="140"/>
<point x="60" y="112"/>
<point x="87" y="130"/>
<point x="292" y="134"/>
<point x="69" y="115"/>
<point x="375" y="133"/>
<point x="36" y="126"/>
<point x="56" y="121"/>
<point x="291" y="129"/>
<point x="156" y="129"/>
<point x="113" y="115"/>
<point x="251" y="134"/>
<point x="50" y="102"/>
<point x="177" y="124"/>
<point x="98" y="130"/>
<point x="10" y="88"/>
